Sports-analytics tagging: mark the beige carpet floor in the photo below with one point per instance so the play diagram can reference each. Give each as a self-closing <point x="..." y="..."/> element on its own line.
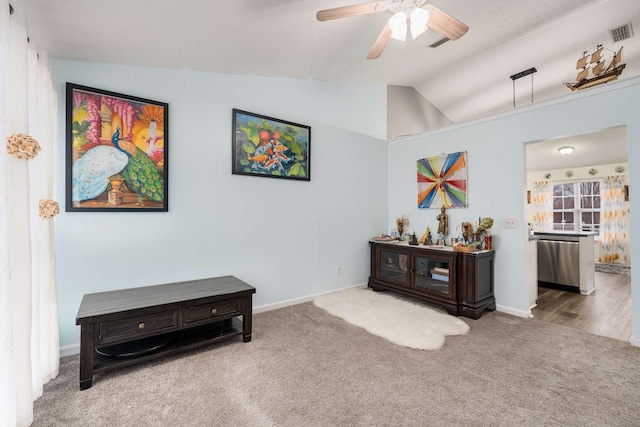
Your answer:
<point x="306" y="367"/>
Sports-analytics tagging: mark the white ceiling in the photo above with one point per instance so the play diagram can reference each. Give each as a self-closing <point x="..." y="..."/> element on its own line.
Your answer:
<point x="608" y="146"/>
<point x="465" y="79"/>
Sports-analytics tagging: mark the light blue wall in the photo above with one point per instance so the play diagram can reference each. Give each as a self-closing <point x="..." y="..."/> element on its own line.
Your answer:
<point x="497" y="176"/>
<point x="284" y="237"/>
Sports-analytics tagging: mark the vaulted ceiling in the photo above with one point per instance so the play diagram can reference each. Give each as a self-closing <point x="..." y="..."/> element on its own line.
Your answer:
<point x="465" y="79"/>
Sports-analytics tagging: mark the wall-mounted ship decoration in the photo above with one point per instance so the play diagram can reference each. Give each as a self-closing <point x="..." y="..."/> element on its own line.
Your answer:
<point x="597" y="66"/>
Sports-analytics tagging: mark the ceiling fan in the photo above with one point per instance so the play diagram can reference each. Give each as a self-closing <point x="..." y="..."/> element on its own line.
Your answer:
<point x="414" y="15"/>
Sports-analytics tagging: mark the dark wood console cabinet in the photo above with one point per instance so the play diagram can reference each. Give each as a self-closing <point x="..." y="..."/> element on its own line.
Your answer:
<point x="459" y="282"/>
<point x="123" y="327"/>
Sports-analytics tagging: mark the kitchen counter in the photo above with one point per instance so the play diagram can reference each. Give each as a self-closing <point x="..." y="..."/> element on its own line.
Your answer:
<point x="565" y="233"/>
<point x="531" y="268"/>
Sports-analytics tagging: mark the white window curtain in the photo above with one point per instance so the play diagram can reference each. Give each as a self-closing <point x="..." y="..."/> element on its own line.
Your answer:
<point x="542" y="200"/>
<point x="29" y="346"/>
<point x="614" y="242"/>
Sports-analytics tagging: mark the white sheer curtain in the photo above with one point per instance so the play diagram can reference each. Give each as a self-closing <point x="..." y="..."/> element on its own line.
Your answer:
<point x="29" y="348"/>
<point x="542" y="199"/>
<point x="614" y="243"/>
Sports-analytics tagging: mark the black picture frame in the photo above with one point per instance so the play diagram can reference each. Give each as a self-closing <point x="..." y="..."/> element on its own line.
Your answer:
<point x="117" y="152"/>
<point x="264" y="146"/>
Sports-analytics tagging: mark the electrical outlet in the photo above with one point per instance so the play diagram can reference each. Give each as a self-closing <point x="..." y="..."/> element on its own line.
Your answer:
<point x="510" y="223"/>
<point x="338" y="270"/>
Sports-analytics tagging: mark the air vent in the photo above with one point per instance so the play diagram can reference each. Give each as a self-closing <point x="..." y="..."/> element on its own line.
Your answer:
<point x="621" y="33"/>
<point x="440" y="42"/>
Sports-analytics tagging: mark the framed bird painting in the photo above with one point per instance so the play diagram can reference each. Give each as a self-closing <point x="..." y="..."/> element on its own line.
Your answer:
<point x="116" y="152"/>
<point x="268" y="147"/>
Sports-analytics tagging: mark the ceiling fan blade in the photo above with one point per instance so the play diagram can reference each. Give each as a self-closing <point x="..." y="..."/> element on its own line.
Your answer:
<point x="380" y="44"/>
<point x="444" y="23"/>
<point x="354" y="10"/>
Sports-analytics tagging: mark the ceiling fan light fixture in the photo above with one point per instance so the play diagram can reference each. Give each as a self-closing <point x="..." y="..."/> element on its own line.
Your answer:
<point x="565" y="151"/>
<point x="398" y="26"/>
<point x="418" y="19"/>
<point x="408" y="15"/>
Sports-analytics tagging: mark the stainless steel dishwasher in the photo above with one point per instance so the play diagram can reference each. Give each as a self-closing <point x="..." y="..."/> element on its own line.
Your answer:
<point x="559" y="260"/>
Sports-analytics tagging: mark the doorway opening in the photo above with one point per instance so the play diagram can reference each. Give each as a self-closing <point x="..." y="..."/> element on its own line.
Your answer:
<point x="580" y="189"/>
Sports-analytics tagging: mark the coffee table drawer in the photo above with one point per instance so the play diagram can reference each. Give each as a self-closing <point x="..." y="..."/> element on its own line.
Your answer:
<point x="202" y="313"/>
<point x="138" y="327"/>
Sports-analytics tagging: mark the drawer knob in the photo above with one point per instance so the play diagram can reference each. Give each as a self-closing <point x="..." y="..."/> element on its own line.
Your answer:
<point x="214" y="310"/>
<point x="141" y="325"/>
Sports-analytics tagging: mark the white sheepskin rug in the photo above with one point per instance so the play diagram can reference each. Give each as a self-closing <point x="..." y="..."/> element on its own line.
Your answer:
<point x="399" y="321"/>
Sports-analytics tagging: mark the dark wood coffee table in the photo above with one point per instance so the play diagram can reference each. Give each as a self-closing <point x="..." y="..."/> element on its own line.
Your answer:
<point x="123" y="327"/>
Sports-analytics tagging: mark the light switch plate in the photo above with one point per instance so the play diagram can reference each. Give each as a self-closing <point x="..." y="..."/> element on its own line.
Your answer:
<point x="510" y="223"/>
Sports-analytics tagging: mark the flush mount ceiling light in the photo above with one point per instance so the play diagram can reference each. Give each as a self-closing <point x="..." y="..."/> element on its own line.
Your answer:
<point x="565" y="151"/>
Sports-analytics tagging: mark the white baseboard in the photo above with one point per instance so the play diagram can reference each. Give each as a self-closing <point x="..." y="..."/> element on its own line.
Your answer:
<point x="296" y="301"/>
<point x="69" y="350"/>
<point x="72" y="349"/>
<point x="635" y="341"/>
<point x="513" y="311"/>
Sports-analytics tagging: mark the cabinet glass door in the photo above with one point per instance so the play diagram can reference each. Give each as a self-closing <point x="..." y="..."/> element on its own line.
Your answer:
<point x="432" y="275"/>
<point x="394" y="267"/>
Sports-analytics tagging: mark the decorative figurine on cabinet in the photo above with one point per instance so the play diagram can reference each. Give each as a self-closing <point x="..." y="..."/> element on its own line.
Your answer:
<point x="467" y="231"/>
<point x="443" y="223"/>
<point x="413" y="240"/>
<point x="426" y="237"/>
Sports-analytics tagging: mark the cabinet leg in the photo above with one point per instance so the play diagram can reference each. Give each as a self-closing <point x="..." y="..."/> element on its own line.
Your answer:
<point x="86" y="356"/>
<point x="452" y="311"/>
<point x="247" y="319"/>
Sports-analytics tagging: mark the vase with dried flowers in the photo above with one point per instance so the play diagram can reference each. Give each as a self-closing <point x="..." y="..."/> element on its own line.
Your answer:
<point x="402" y="224"/>
<point x="484" y="225"/>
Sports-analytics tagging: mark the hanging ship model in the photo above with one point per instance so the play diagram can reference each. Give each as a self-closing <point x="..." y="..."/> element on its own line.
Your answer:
<point x="594" y="68"/>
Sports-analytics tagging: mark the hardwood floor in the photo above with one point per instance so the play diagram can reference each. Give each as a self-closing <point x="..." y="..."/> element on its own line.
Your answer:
<point x="607" y="311"/>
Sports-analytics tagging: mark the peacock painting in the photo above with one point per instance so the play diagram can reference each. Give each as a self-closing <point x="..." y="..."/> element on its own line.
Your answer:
<point x="116" y="152"/>
<point x="140" y="173"/>
<point x="91" y="172"/>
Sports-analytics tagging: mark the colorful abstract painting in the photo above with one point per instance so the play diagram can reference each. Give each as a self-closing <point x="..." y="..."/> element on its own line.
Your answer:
<point x="442" y="181"/>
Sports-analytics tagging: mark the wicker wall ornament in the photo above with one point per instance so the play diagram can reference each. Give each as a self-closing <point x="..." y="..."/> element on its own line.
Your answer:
<point x="22" y="146"/>
<point x="48" y="208"/>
